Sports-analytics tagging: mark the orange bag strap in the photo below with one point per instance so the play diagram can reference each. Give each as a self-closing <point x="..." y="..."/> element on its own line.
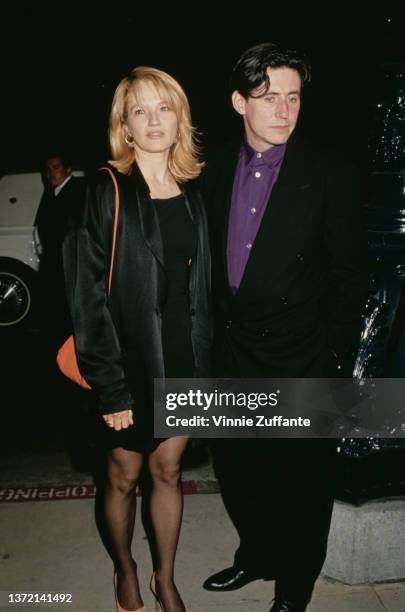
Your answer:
<point x="116" y="212"/>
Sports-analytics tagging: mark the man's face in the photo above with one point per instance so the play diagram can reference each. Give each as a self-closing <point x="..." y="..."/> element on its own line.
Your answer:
<point x="56" y="172"/>
<point x="271" y="119"/>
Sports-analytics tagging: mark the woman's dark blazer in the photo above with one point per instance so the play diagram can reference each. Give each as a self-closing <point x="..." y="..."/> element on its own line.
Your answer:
<point x="118" y="338"/>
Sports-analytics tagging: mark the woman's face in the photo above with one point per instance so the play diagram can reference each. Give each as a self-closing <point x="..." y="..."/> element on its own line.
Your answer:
<point x="150" y="121"/>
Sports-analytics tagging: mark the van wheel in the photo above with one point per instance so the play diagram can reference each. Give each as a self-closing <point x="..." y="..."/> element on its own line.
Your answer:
<point x="17" y="283"/>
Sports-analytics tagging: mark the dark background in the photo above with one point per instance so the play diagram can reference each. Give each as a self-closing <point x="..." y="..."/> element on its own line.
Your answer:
<point x="61" y="66"/>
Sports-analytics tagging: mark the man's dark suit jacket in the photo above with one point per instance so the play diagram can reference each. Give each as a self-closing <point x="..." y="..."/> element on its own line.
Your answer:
<point x="55" y="216"/>
<point x="300" y="300"/>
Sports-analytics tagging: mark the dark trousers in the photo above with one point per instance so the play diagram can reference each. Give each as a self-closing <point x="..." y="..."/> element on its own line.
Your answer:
<point x="279" y="495"/>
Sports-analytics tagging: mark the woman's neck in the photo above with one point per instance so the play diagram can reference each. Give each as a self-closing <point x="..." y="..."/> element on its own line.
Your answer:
<point x="157" y="175"/>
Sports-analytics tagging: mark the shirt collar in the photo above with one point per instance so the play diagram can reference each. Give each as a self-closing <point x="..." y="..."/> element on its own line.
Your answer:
<point x="59" y="188"/>
<point x="272" y="157"/>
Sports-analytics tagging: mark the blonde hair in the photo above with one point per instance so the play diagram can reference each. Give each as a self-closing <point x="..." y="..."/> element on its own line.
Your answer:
<point x="183" y="160"/>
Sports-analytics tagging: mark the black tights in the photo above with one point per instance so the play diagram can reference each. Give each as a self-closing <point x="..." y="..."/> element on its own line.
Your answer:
<point x="166" y="509"/>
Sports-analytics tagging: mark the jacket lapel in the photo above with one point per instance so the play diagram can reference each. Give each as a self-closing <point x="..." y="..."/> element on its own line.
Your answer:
<point x="294" y="169"/>
<point x="148" y="216"/>
<point x="286" y="196"/>
<point x="274" y="228"/>
<point x="189" y="200"/>
<point x="223" y="206"/>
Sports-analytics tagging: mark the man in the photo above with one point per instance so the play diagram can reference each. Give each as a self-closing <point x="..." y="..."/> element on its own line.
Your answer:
<point x="289" y="283"/>
<point x="62" y="199"/>
<point x="61" y="203"/>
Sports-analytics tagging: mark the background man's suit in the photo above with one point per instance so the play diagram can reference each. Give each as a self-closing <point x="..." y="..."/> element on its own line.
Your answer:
<point x="56" y="214"/>
<point x="296" y="313"/>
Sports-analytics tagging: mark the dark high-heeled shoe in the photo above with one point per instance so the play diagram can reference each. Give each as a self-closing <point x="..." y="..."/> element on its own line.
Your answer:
<point x="117" y="603"/>
<point x="154" y="593"/>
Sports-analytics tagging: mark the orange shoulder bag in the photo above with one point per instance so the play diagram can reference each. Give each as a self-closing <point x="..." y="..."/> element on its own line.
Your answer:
<point x="66" y="357"/>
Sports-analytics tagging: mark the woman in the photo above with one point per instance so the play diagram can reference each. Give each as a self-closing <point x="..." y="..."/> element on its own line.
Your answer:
<point x="154" y="323"/>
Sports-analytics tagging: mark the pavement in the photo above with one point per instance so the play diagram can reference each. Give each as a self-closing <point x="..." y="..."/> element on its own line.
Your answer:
<point x="49" y="543"/>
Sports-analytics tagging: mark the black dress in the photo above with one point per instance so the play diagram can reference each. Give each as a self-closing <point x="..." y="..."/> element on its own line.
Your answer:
<point x="179" y="238"/>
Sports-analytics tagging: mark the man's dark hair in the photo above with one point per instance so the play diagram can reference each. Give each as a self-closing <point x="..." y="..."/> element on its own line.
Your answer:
<point x="250" y="70"/>
<point x="62" y="155"/>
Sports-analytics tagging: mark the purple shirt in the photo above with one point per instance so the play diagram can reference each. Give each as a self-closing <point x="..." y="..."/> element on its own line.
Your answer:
<point x="256" y="174"/>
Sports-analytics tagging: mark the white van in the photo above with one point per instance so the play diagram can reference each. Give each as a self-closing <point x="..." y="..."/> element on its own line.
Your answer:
<point x="20" y="195"/>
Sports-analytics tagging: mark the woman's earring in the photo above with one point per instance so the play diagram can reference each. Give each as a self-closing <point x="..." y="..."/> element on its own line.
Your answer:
<point x="129" y="140"/>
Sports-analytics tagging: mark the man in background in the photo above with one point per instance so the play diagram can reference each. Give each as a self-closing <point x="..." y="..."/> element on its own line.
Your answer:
<point x="61" y="203"/>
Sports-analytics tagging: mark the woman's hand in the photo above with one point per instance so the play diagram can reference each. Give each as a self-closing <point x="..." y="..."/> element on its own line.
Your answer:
<point x="119" y="420"/>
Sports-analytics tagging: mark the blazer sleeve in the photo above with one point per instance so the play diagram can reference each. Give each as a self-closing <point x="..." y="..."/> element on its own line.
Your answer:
<point x="346" y="246"/>
<point x="86" y="254"/>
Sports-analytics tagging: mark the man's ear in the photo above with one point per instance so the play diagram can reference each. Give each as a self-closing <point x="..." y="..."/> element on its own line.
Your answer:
<point x="238" y="102"/>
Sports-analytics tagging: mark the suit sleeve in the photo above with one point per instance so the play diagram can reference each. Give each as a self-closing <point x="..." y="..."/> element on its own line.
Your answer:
<point x="86" y="253"/>
<point x="42" y="216"/>
<point x="347" y="250"/>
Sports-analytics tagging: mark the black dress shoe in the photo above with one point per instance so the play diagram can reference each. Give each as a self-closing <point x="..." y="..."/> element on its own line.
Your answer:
<point x="232" y="578"/>
<point x="285" y="605"/>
